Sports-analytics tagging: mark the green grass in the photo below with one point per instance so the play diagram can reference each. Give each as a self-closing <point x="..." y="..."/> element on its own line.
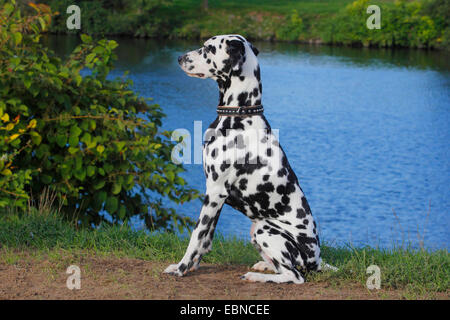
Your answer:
<point x="418" y="272"/>
<point x="279" y="6"/>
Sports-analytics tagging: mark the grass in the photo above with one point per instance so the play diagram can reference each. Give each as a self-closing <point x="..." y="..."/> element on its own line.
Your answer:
<point x="280" y="6"/>
<point x="417" y="272"/>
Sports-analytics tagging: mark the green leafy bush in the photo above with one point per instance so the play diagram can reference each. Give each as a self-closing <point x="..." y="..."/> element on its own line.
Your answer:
<point x="292" y="29"/>
<point x="403" y="23"/>
<point x="105" y="17"/>
<point x="91" y="139"/>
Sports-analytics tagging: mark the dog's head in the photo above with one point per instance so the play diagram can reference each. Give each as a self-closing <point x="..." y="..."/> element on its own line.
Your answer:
<point x="219" y="57"/>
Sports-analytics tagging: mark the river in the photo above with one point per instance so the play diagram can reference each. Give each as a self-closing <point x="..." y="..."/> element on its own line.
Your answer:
<point x="367" y="132"/>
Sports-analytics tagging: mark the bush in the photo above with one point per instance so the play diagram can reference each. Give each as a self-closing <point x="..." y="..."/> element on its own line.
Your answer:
<point x="292" y="29"/>
<point x="92" y="140"/>
<point x="403" y="23"/>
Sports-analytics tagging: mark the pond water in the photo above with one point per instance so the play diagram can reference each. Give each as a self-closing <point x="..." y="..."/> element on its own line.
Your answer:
<point x="367" y="132"/>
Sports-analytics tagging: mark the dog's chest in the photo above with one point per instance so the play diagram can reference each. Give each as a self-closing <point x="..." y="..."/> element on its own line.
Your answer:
<point x="234" y="141"/>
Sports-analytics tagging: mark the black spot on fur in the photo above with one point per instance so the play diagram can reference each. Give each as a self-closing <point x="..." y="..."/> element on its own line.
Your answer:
<point x="230" y="98"/>
<point x="205" y="219"/>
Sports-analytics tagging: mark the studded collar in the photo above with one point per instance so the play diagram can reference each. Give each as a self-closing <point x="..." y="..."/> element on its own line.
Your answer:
<point x="240" y="111"/>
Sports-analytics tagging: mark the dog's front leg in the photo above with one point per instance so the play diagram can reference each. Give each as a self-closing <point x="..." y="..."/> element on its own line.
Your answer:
<point x="202" y="236"/>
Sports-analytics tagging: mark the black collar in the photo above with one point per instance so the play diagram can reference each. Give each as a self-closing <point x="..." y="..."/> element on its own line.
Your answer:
<point x="240" y="111"/>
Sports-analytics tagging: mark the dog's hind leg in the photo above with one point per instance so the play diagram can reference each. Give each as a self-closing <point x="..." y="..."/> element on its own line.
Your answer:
<point x="267" y="264"/>
<point x="271" y="246"/>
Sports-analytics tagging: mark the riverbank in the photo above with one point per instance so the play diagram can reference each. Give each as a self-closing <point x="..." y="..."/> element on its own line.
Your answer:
<point x="415" y="24"/>
<point x="117" y="262"/>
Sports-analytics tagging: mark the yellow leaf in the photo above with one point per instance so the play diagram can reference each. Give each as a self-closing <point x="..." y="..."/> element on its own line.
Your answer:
<point x="5" y="117"/>
<point x="31" y="4"/>
<point x="6" y="172"/>
<point x="100" y="148"/>
<point x="32" y="124"/>
<point x="14" y="137"/>
<point x="10" y="126"/>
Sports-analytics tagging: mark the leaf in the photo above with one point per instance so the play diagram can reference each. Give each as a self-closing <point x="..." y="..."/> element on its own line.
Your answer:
<point x="100" y="149"/>
<point x="73" y="150"/>
<point x="35" y="137"/>
<point x="170" y="176"/>
<point x="116" y="188"/>
<point x="90" y="57"/>
<point x="99" y="199"/>
<point x="75" y="131"/>
<point x="32" y="124"/>
<point x="112" y="204"/>
<point x="112" y="44"/>
<point x="108" y="167"/>
<point x="120" y="145"/>
<point x="42" y="23"/>
<point x="86" y="138"/>
<point x="6" y="172"/>
<point x="78" y="79"/>
<point x="90" y="171"/>
<point x="122" y="212"/>
<point x="17" y="38"/>
<point x="73" y="141"/>
<point x="8" y="7"/>
<point x="61" y="140"/>
<point x="34" y="6"/>
<point x="85" y="38"/>
<point x="80" y="174"/>
<point x="100" y="184"/>
<point x="13" y="137"/>
<point x="5" y="117"/>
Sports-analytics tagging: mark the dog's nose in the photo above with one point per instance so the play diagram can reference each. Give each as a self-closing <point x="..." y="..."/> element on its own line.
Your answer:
<point x="180" y="58"/>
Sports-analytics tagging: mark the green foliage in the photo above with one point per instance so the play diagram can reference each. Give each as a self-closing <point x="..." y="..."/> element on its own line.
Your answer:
<point x="409" y="23"/>
<point x="105" y="17"/>
<point x="292" y="29"/>
<point x="403" y="23"/>
<point x="91" y="139"/>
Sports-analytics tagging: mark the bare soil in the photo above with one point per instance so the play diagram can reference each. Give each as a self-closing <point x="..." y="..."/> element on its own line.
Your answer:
<point x="123" y="278"/>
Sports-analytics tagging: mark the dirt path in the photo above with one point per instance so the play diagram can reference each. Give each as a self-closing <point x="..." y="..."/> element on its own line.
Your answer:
<point x="119" y="278"/>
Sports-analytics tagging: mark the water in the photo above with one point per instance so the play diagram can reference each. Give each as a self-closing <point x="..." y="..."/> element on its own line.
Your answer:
<point x="366" y="131"/>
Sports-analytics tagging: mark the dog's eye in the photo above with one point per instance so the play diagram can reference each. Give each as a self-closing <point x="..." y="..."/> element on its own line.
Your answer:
<point x="206" y="49"/>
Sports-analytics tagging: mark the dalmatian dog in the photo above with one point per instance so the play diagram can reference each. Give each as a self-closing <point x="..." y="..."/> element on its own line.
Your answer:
<point x="246" y="168"/>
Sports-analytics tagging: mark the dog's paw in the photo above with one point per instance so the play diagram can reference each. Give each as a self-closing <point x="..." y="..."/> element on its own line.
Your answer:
<point x="194" y="267"/>
<point x="262" y="266"/>
<point x="174" y="270"/>
<point x="271" y="278"/>
<point x="253" y="277"/>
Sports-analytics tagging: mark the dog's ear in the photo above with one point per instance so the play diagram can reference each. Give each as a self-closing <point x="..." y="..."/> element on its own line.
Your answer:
<point x="236" y="51"/>
<point x="255" y="51"/>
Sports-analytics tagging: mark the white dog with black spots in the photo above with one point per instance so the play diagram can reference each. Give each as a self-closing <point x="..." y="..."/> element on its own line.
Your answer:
<point x="246" y="168"/>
